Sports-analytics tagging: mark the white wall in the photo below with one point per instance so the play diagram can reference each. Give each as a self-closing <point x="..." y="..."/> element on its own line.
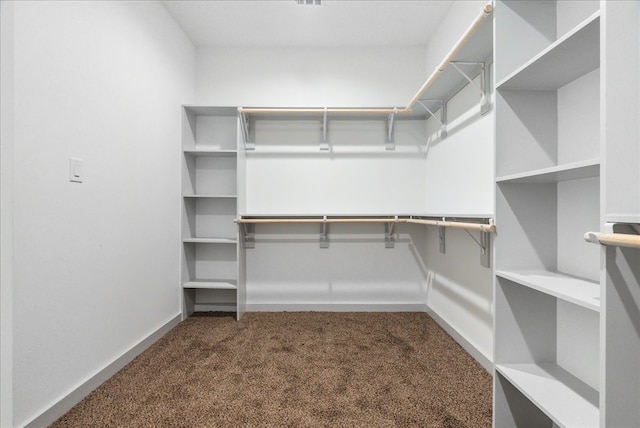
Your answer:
<point x="6" y="214"/>
<point x="306" y="77"/>
<point x="358" y="176"/>
<point x="459" y="178"/>
<point x="95" y="264"/>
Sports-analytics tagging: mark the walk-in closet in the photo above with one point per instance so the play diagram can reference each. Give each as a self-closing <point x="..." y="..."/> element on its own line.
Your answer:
<point x="320" y="213"/>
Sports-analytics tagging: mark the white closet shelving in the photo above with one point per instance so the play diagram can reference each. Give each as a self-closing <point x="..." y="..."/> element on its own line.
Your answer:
<point x="547" y="296"/>
<point x="210" y="250"/>
<point x="620" y="278"/>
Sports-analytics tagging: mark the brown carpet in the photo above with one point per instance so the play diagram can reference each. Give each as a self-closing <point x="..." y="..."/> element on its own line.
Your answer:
<point x="295" y="369"/>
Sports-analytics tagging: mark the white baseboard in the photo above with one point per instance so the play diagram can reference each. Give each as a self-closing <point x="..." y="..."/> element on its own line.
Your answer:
<point x="481" y="358"/>
<point x="335" y="307"/>
<point x="65" y="404"/>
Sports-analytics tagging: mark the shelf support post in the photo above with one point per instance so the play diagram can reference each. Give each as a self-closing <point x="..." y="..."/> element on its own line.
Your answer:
<point x="324" y="230"/>
<point x="389" y="141"/>
<point x="244" y="125"/>
<point x="324" y="145"/>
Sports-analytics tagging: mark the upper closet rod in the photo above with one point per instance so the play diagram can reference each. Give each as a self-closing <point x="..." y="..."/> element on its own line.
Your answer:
<point x="617" y="239"/>
<point x="317" y="220"/>
<point x="486" y="11"/>
<point x="252" y="110"/>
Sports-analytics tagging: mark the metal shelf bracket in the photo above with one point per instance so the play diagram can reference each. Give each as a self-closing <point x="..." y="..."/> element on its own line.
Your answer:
<point x="485" y="247"/>
<point x="442" y="120"/>
<point x="390" y="131"/>
<point x="244" y="125"/>
<point x="324" y="230"/>
<point x="443" y="239"/>
<point x="484" y="82"/>
<point x="389" y="240"/>
<point x="249" y="235"/>
<point x="324" y="145"/>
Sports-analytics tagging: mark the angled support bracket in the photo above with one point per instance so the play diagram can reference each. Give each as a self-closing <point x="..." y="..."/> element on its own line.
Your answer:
<point x="249" y="235"/>
<point x="485" y="247"/>
<point x="443" y="240"/>
<point x="324" y="144"/>
<point x="484" y="82"/>
<point x="244" y="125"/>
<point x="324" y="230"/>
<point x="390" y="131"/>
<point x="442" y="120"/>
<point x="389" y="241"/>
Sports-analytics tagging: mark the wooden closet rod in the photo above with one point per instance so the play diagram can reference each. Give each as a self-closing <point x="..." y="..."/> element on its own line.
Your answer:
<point x="617" y="239"/>
<point x="491" y="228"/>
<point x="486" y="11"/>
<point x="252" y="110"/>
<point x="317" y="220"/>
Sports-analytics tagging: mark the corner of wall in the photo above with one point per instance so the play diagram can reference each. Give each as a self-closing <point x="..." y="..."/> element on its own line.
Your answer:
<point x="6" y="212"/>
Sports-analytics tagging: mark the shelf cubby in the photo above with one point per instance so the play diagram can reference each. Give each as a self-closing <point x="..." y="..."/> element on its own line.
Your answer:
<point x="563" y="398"/>
<point x="209" y="262"/>
<point x="209" y="217"/>
<point x="528" y="31"/>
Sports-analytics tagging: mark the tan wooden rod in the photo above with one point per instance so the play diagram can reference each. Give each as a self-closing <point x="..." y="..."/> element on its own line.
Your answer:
<point x="252" y="110"/>
<point x="616" y="239"/>
<point x="486" y="11"/>
<point x="318" y="220"/>
<point x="491" y="228"/>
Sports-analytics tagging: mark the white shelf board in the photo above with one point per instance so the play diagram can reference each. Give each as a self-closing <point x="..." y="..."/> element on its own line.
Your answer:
<point x="200" y="152"/>
<point x="572" y="171"/>
<point x="210" y="196"/>
<point x="568" y="401"/>
<point x="573" y="55"/>
<point x="210" y="240"/>
<point x="210" y="285"/>
<point x="575" y="290"/>
<point x="211" y="110"/>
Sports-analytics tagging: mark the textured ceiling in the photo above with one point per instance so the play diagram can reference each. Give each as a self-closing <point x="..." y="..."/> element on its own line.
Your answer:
<point x="284" y="23"/>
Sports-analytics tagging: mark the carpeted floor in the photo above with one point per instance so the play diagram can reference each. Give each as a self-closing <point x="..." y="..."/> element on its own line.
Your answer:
<point x="291" y="369"/>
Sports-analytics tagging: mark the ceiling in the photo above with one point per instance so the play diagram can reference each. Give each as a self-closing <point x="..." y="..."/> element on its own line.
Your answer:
<point x="284" y="23"/>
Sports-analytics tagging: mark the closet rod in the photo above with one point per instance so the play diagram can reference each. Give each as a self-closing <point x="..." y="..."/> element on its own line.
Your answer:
<point x="486" y="11"/>
<point x="317" y="220"/>
<point x="253" y="110"/>
<point x="616" y="239"/>
<point x="491" y="228"/>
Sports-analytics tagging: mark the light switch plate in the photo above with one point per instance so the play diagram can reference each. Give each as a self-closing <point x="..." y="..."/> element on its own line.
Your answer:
<point x="75" y="170"/>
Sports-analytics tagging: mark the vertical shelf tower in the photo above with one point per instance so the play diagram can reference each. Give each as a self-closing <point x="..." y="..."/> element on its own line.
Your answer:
<point x="567" y="342"/>
<point x="210" y="250"/>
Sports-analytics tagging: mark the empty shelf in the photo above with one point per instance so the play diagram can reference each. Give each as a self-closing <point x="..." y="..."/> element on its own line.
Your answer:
<point x="554" y="174"/>
<point x="211" y="285"/>
<point x="210" y="240"/>
<point x="210" y="196"/>
<point x="210" y="152"/>
<point x="565" y="399"/>
<point x="570" y="57"/>
<point x="569" y="288"/>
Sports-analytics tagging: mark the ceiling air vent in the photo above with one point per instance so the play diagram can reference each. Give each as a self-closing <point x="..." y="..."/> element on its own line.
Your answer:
<point x="309" y="2"/>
